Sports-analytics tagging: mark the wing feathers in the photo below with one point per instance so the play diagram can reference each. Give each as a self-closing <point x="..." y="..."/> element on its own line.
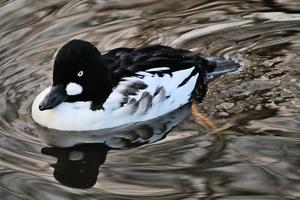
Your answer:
<point x="153" y="89"/>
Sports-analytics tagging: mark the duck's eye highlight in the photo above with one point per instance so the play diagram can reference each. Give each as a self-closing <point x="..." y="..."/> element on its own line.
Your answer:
<point x="80" y="74"/>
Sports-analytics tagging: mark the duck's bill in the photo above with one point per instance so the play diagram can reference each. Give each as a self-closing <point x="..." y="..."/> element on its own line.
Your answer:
<point x="56" y="96"/>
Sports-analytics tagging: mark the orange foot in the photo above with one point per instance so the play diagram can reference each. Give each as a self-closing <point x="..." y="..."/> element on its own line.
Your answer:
<point x="201" y="119"/>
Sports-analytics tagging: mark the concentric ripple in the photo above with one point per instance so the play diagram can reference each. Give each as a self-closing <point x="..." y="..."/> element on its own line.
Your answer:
<point x="257" y="108"/>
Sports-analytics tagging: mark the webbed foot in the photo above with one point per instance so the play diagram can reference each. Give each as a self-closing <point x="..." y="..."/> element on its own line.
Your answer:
<point x="202" y="120"/>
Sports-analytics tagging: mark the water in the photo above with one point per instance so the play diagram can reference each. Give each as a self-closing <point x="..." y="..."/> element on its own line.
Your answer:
<point x="258" y="108"/>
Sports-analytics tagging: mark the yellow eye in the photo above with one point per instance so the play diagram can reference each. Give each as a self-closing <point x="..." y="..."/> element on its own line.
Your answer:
<point x="80" y="74"/>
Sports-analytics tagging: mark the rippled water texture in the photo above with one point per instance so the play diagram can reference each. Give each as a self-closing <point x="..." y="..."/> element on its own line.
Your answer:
<point x="257" y="109"/>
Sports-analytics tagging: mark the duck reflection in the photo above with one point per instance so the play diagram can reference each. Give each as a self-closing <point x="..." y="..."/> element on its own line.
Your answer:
<point x="78" y="166"/>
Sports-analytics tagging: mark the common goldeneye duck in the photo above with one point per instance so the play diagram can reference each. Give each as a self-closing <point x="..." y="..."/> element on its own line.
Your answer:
<point x="91" y="91"/>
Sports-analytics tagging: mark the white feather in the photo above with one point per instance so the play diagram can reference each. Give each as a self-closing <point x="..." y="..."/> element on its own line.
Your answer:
<point x="73" y="89"/>
<point x="77" y="116"/>
<point x="157" y="69"/>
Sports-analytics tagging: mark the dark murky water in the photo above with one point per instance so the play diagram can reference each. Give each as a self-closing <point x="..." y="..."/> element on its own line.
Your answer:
<point x="258" y="155"/>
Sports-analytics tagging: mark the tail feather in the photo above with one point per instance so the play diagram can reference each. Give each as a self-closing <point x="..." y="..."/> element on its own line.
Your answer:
<point x="220" y="66"/>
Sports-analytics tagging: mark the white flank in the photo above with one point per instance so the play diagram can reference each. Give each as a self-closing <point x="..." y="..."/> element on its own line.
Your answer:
<point x="77" y="116"/>
<point x="73" y="89"/>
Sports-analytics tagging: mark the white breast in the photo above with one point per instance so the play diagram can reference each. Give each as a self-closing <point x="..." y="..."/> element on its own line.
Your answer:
<point x="161" y="96"/>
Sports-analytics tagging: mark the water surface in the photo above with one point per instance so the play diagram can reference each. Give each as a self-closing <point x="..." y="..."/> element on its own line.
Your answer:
<point x="258" y="155"/>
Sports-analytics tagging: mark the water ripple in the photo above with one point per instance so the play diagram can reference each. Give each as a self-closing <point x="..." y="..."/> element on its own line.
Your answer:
<point x="257" y="108"/>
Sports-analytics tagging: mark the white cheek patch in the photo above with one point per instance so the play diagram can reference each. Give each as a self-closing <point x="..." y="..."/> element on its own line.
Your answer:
<point x="73" y="89"/>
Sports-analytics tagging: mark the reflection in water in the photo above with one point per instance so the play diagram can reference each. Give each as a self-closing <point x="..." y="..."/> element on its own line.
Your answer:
<point x="276" y="6"/>
<point x="258" y="108"/>
<point x="78" y="166"/>
<point x="120" y="137"/>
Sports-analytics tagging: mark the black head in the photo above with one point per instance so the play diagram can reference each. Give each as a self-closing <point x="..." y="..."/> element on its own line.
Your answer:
<point x="79" y="74"/>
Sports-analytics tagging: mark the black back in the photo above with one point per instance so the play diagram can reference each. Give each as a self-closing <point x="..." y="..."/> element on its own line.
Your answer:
<point x="124" y="62"/>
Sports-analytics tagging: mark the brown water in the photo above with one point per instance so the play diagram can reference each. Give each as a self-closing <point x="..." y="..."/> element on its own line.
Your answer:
<point x="258" y="155"/>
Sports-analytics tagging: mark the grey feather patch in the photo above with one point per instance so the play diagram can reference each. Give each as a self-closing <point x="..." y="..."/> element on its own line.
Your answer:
<point x="160" y="93"/>
<point x="139" y="85"/>
<point x="129" y="91"/>
<point x="145" y="102"/>
<point x="157" y="90"/>
<point x="133" y="105"/>
<point x="132" y="89"/>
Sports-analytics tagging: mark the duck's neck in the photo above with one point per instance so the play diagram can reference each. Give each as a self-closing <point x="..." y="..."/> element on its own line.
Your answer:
<point x="98" y="86"/>
<point x="102" y="88"/>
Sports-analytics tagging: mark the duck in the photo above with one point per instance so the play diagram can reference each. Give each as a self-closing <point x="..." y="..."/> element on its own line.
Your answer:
<point x="94" y="91"/>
